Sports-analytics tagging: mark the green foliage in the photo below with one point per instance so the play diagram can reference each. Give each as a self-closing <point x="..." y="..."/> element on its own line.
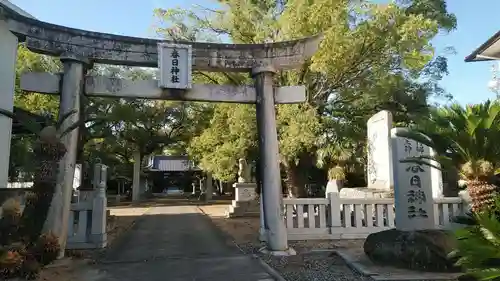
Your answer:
<point x="147" y="126"/>
<point x="48" y="150"/>
<point x="230" y="136"/>
<point x="144" y="126"/>
<point x="298" y="128"/>
<point x="478" y="246"/>
<point x="28" y="61"/>
<point x="336" y="173"/>
<point x="46" y="249"/>
<point x="10" y="263"/>
<point x="19" y="257"/>
<point x="21" y="161"/>
<point x="54" y="129"/>
<point x="463" y="137"/>
<point x="372" y="57"/>
<point x="9" y="222"/>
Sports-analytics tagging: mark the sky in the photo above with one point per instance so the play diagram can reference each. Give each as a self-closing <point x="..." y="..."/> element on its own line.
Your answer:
<point x="467" y="82"/>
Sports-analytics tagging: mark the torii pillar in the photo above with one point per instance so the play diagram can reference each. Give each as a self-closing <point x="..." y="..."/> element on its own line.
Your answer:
<point x="269" y="156"/>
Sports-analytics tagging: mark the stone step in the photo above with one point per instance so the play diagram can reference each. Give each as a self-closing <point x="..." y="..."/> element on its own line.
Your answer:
<point x="243" y="209"/>
<point x="241" y="214"/>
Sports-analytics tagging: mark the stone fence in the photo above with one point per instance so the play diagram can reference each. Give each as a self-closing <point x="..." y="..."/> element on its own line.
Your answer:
<point x="87" y="220"/>
<point x="354" y="218"/>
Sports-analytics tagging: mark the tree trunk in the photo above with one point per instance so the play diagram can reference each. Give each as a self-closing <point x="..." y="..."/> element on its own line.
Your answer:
<point x="450" y="186"/>
<point x="482" y="194"/>
<point x="38" y="204"/>
<point x="295" y="184"/>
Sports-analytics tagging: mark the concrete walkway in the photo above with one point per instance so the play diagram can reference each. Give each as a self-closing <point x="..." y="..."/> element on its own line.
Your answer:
<point x="177" y="243"/>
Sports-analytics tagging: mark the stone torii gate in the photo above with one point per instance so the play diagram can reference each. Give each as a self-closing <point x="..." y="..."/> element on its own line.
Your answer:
<point x="79" y="49"/>
<point x="48" y="83"/>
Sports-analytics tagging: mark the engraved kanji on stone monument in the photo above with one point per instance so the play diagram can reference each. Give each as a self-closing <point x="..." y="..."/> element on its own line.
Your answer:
<point x="417" y="199"/>
<point x="379" y="160"/>
<point x="413" y="184"/>
<point x="175" y="64"/>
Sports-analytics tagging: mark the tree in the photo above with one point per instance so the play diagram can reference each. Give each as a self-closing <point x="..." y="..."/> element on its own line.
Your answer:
<point x="372" y="57"/>
<point x="149" y="125"/>
<point x="298" y="128"/>
<point x="230" y="136"/>
<point x="48" y="151"/>
<point x="24" y="228"/>
<point x="464" y="138"/>
<point x="21" y="160"/>
<point x="28" y="61"/>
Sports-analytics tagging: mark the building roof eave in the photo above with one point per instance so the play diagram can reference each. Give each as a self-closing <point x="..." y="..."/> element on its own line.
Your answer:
<point x="478" y="54"/>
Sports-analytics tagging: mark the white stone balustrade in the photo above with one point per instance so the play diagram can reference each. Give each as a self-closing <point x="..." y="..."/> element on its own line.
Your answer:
<point x="354" y="218"/>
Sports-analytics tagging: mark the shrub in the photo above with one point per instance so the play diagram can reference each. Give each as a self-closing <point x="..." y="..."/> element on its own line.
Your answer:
<point x="9" y="222"/>
<point x="478" y="245"/>
<point x="46" y="248"/>
<point x="10" y="263"/>
<point x="30" y="268"/>
<point x="336" y="173"/>
<point x="11" y="207"/>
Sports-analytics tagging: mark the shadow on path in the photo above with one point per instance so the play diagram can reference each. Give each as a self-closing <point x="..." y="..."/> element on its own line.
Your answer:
<point x="177" y="243"/>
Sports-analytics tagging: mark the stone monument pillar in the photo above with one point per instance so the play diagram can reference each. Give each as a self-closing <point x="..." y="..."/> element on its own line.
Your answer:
<point x="244" y="190"/>
<point x="379" y="158"/>
<point x="268" y="154"/>
<point x="8" y="55"/>
<point x="379" y="166"/>
<point x="414" y="184"/>
<point x="244" y="203"/>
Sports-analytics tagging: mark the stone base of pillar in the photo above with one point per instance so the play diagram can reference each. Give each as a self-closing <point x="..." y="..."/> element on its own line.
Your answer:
<point x="245" y="203"/>
<point x="289" y="252"/>
<point x="243" y="209"/>
<point x="262" y="229"/>
<point x="262" y="235"/>
<point x="244" y="192"/>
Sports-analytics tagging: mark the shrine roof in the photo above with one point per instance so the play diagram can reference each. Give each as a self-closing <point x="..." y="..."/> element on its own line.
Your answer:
<point x="489" y="50"/>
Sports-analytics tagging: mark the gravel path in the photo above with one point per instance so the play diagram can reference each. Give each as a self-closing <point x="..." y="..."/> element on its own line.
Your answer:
<point x="313" y="266"/>
<point x="305" y="266"/>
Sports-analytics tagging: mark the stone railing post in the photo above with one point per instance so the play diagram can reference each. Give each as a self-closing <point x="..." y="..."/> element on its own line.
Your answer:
<point x="98" y="235"/>
<point x="136" y="179"/>
<point x="99" y="175"/>
<point x="8" y="55"/>
<point x="268" y="153"/>
<point x="71" y="90"/>
<point x="335" y="209"/>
